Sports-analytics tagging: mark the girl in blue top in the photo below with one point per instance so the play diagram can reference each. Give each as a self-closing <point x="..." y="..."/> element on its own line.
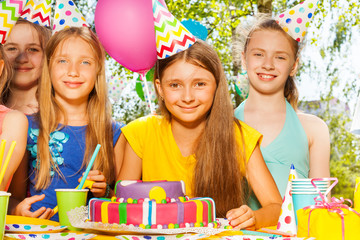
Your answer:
<point x="271" y="59"/>
<point x="74" y="116"/>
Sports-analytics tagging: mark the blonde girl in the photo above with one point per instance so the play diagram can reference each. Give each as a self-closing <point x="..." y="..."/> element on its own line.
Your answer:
<point x="271" y="58"/>
<point x="197" y="139"/>
<point x="25" y="50"/>
<point x="74" y="116"/>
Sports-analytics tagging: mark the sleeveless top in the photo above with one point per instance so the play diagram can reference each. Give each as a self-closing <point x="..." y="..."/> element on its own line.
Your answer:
<point x="289" y="147"/>
<point x="68" y="148"/>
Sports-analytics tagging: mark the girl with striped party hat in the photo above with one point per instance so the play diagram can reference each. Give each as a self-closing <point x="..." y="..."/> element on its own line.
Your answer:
<point x="196" y="138"/>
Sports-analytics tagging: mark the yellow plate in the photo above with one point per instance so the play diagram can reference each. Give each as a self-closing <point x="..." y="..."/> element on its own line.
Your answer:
<point x="21" y="224"/>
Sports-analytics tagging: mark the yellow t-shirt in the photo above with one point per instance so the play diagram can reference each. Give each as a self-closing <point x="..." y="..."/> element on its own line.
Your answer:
<point x="152" y="140"/>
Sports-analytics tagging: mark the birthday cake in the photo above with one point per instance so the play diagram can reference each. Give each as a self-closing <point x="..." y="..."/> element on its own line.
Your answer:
<point x="158" y="204"/>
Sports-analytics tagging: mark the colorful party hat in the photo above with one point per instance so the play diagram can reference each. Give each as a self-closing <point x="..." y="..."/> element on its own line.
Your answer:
<point x="10" y="11"/>
<point x="67" y="15"/>
<point x="38" y="11"/>
<point x="171" y="36"/>
<point x="286" y="222"/>
<point x="196" y="28"/>
<point x="296" y="20"/>
<point x="116" y="85"/>
<point x="28" y="10"/>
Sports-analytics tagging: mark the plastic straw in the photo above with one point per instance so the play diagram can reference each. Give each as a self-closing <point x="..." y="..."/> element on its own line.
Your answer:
<point x="2" y="150"/>
<point x="89" y="166"/>
<point x="87" y="184"/>
<point x="81" y="185"/>
<point x="257" y="233"/>
<point x="7" y="160"/>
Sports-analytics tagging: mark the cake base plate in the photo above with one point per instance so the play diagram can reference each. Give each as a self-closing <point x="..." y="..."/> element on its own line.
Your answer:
<point x="78" y="217"/>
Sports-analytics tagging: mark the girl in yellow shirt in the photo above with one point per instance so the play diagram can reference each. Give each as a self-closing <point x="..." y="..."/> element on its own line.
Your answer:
<point x="198" y="140"/>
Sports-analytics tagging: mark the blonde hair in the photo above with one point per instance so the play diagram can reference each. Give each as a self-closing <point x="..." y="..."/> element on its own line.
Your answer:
<point x="264" y="22"/>
<point x="44" y="35"/>
<point x="99" y="128"/>
<point x="217" y="171"/>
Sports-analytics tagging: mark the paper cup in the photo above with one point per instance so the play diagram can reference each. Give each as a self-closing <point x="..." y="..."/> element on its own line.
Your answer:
<point x="302" y="199"/>
<point x="68" y="199"/>
<point x="308" y="189"/>
<point x="4" y="202"/>
<point x="307" y="181"/>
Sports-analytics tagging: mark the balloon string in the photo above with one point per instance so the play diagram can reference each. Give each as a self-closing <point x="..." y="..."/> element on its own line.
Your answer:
<point x="143" y="78"/>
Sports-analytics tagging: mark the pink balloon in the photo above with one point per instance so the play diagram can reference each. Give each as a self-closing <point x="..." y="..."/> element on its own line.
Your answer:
<point x="126" y="30"/>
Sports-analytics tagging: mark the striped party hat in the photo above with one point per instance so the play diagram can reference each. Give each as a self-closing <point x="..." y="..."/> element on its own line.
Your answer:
<point x="67" y="15"/>
<point x="171" y="36"/>
<point x="10" y="11"/>
<point x="296" y="20"/>
<point x="38" y="12"/>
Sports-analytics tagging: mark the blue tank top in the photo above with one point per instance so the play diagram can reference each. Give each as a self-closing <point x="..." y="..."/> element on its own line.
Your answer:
<point x="289" y="147"/>
<point x="68" y="148"/>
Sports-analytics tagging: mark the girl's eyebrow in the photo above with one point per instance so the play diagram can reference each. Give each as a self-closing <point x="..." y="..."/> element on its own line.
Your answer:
<point x="16" y="44"/>
<point x="263" y="50"/>
<point x="68" y="56"/>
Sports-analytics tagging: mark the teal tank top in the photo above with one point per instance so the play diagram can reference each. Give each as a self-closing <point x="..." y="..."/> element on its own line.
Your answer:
<point x="289" y="147"/>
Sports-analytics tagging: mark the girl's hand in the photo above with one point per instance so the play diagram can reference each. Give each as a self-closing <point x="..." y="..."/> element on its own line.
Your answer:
<point x="23" y="208"/>
<point x="98" y="189"/>
<point x="242" y="217"/>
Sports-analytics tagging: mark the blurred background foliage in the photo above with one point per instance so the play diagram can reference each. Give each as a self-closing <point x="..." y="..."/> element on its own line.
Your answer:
<point x="325" y="61"/>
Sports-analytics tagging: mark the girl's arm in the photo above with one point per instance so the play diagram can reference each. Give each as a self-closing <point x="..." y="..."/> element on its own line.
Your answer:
<point x="266" y="192"/>
<point x="119" y="152"/>
<point x="14" y="128"/>
<point x="132" y="165"/>
<point x="319" y="145"/>
<point x="18" y="204"/>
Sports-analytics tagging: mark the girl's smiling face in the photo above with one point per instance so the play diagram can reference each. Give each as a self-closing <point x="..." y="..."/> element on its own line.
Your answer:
<point x="188" y="92"/>
<point x="73" y="70"/>
<point x="269" y="60"/>
<point x="24" y="52"/>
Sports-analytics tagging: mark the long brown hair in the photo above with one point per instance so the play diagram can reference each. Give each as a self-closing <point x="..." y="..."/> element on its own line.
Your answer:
<point x="265" y="23"/>
<point x="217" y="171"/>
<point x="99" y="128"/>
<point x="6" y="75"/>
<point x="44" y="35"/>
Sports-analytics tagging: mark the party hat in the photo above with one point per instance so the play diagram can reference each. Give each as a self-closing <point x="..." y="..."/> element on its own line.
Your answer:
<point x="38" y="11"/>
<point x="296" y="20"/>
<point x="67" y="15"/>
<point x="286" y="222"/>
<point x="116" y="85"/>
<point x="196" y="28"/>
<point x="171" y="36"/>
<point x="10" y="11"/>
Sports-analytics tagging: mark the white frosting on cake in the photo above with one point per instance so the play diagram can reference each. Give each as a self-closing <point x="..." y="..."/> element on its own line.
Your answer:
<point x="128" y="182"/>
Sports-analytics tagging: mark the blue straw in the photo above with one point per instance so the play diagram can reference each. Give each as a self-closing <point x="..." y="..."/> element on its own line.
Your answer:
<point x="92" y="160"/>
<point x="256" y="233"/>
